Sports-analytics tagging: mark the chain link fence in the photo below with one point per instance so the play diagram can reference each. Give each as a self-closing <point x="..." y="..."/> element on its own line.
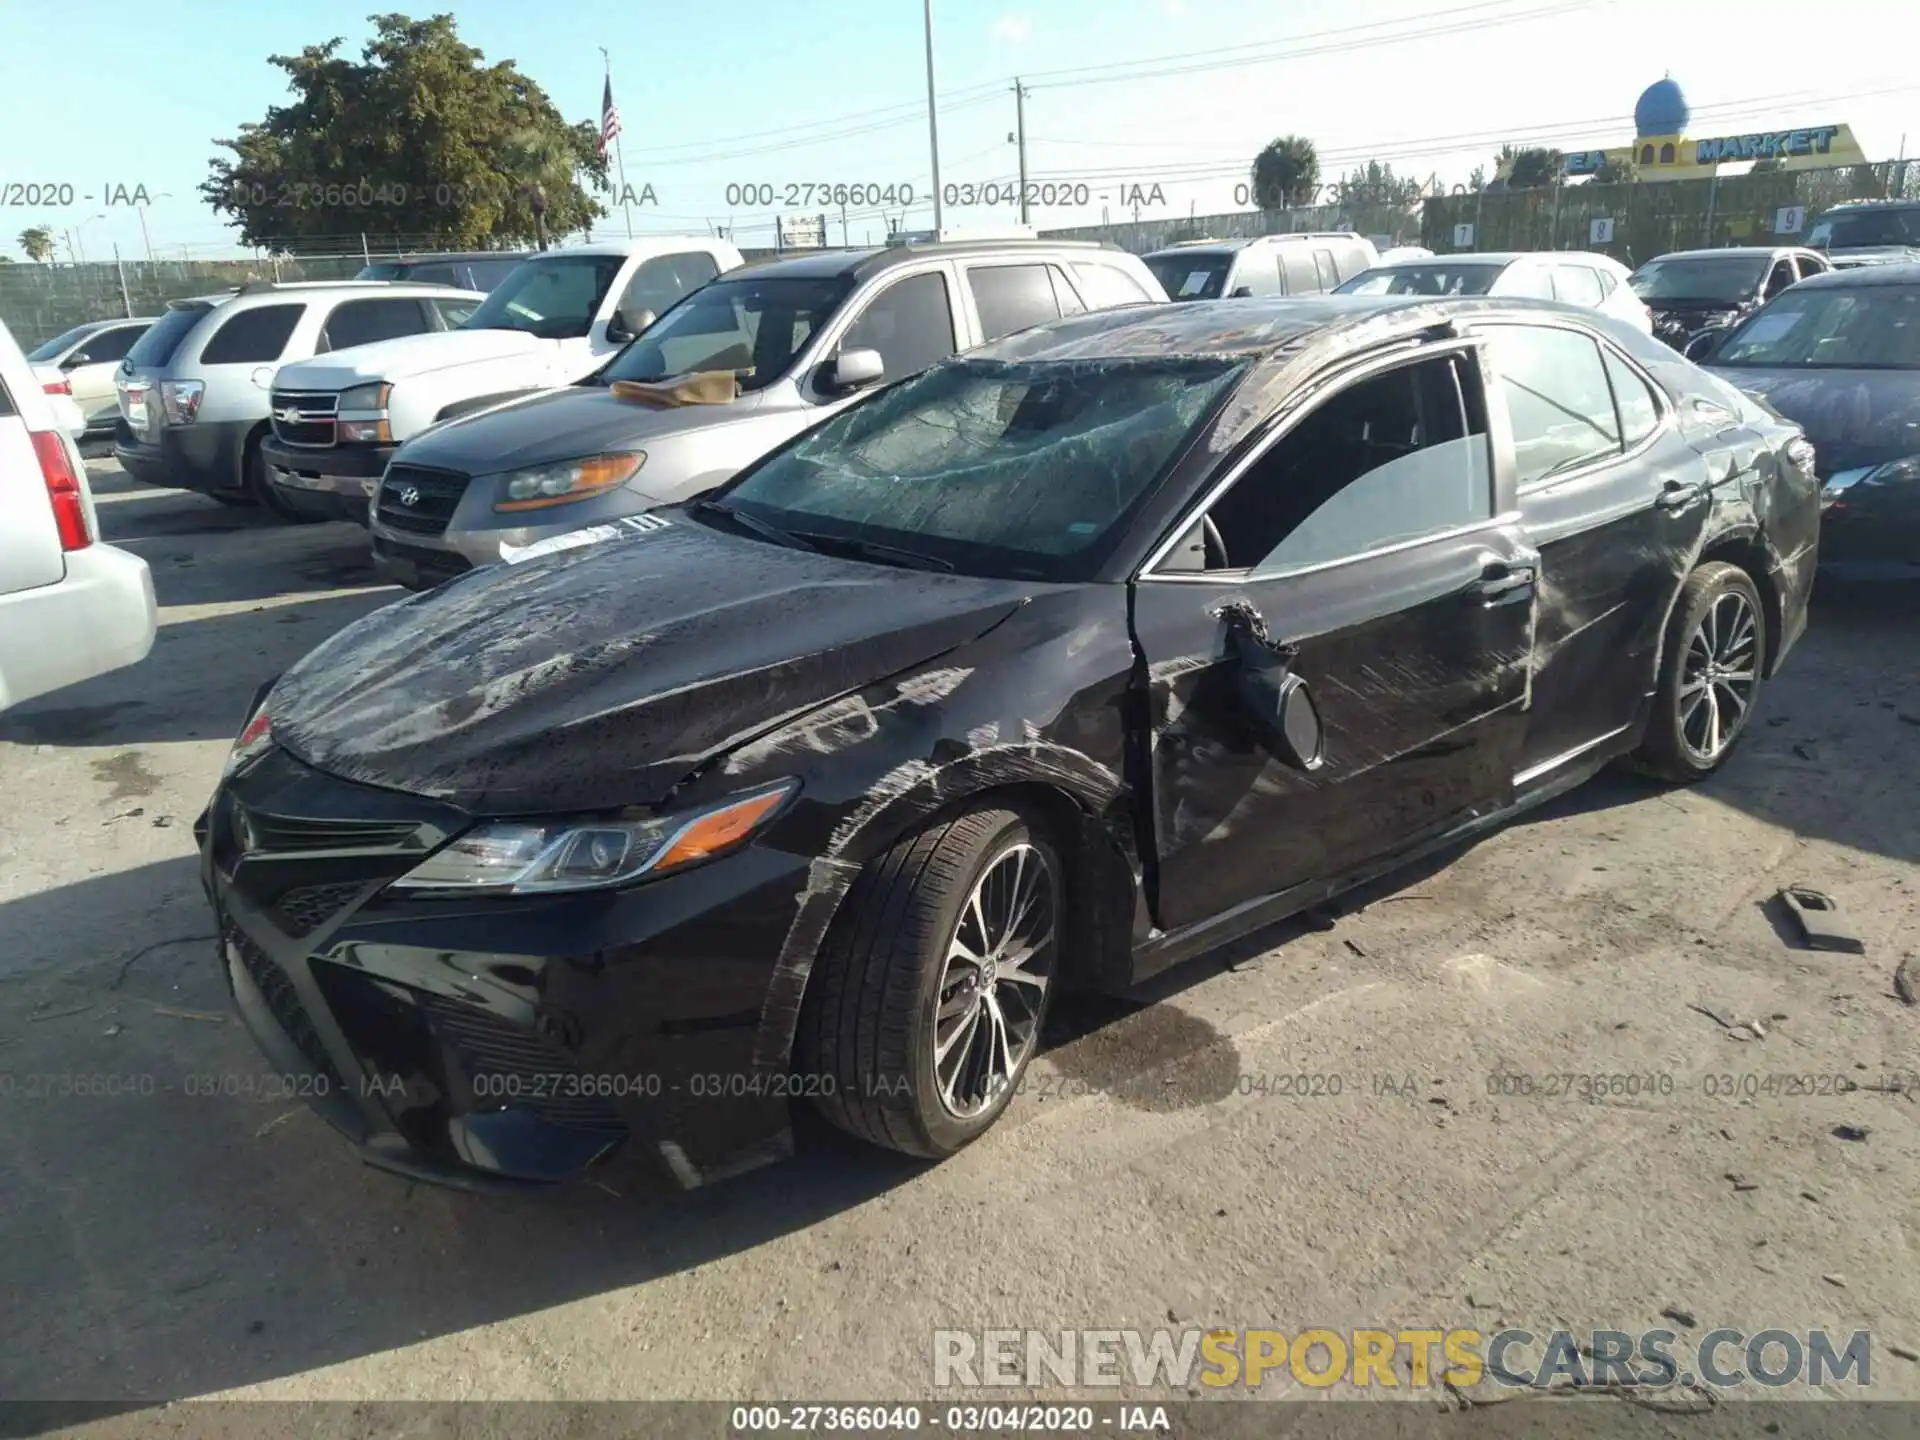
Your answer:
<point x="39" y="301"/>
<point x="1386" y="223"/>
<point x="1635" y="222"/>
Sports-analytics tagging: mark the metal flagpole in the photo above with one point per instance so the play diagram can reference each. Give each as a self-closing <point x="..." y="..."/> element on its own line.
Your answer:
<point x="619" y="160"/>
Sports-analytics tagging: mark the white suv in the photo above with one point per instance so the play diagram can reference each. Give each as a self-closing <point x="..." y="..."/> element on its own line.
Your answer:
<point x="337" y="419"/>
<point x="70" y="607"/>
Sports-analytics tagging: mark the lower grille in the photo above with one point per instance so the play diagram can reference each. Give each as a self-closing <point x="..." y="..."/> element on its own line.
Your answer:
<point x="285" y="1004"/>
<point x="418" y="500"/>
<point x="303" y="911"/>
<point x="435" y="566"/>
<point x="291" y="835"/>
<point x="511" y="1067"/>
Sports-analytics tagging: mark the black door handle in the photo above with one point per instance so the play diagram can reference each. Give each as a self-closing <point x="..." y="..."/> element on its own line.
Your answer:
<point x="1678" y="495"/>
<point x="1501" y="581"/>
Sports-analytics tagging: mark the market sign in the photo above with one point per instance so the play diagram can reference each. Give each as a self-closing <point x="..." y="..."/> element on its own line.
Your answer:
<point x="1766" y="145"/>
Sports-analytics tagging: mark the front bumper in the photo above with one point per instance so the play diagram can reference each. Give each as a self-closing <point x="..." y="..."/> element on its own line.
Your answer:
<point x="206" y="455"/>
<point x="335" y="483"/>
<point x="484" y="1042"/>
<point x="451" y="526"/>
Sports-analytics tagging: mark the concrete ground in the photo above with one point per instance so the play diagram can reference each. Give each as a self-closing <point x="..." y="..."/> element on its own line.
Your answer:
<point x="162" y="1244"/>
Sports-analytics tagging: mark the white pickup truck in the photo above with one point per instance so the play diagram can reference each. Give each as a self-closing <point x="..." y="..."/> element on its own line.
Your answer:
<point x="338" y="418"/>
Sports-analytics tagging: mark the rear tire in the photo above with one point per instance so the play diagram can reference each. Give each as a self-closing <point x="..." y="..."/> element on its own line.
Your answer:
<point x="926" y="1002"/>
<point x="1710" y="669"/>
<point x="260" y="488"/>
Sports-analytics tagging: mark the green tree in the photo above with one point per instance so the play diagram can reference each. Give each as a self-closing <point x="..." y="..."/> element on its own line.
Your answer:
<point x="1376" y="184"/>
<point x="1478" y="179"/>
<point x="1285" y="173"/>
<point x="37" y="242"/>
<point x="1534" y="167"/>
<point x="419" y="138"/>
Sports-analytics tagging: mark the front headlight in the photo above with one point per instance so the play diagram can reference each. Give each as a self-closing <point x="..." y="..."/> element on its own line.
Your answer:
<point x="522" y="857"/>
<point x="568" y="480"/>
<point x="363" y="414"/>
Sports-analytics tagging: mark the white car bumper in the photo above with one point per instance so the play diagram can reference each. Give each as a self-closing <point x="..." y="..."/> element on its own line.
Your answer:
<point x="99" y="618"/>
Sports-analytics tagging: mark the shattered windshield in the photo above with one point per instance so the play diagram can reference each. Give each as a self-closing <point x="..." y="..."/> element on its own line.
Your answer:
<point x="994" y="468"/>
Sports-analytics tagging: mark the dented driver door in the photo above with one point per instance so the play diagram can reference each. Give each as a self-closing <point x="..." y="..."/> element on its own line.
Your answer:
<point x="1367" y="558"/>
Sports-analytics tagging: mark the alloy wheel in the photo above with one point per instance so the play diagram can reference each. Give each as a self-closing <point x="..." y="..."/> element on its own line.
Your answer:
<point x="1718" y="677"/>
<point x="993" y="983"/>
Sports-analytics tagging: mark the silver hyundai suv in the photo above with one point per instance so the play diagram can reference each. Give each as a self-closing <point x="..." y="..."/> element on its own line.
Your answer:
<point x="195" y="390"/>
<point x="779" y="346"/>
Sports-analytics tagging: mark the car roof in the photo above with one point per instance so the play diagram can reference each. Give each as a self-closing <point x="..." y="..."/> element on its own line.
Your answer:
<point x="1261" y="326"/>
<point x="639" y="245"/>
<point x="1901" y="274"/>
<point x="1233" y="246"/>
<point x="1871" y="205"/>
<point x="1469" y="257"/>
<point x="430" y="257"/>
<point x="1712" y="252"/>
<point x="860" y="264"/>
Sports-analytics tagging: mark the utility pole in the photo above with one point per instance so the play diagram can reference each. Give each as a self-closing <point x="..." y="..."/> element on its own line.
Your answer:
<point x="366" y="255"/>
<point x="843" y="228"/>
<point x="933" y="125"/>
<point x="141" y="211"/>
<point x="125" y="300"/>
<point x="1020" y="132"/>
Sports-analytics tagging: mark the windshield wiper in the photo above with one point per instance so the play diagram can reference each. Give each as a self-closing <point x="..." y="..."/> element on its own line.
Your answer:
<point x="873" y="550"/>
<point x="793" y="540"/>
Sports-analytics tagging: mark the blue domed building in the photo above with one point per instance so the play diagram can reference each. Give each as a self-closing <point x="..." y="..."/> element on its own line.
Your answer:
<point x="1661" y="149"/>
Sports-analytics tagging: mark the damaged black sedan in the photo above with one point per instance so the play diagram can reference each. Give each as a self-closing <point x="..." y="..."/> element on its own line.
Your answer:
<point x="1053" y="666"/>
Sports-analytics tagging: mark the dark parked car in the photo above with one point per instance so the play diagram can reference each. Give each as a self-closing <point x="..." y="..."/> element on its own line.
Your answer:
<point x="1053" y="665"/>
<point x="1840" y="356"/>
<point x="1868" y="232"/>
<point x="1694" y="292"/>
<point x="479" y="270"/>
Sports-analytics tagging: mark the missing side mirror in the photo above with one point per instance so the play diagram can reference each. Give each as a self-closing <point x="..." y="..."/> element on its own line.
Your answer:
<point x="1275" y="702"/>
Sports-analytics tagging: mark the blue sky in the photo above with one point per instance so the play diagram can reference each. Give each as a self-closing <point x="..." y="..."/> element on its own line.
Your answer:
<point x="756" y="92"/>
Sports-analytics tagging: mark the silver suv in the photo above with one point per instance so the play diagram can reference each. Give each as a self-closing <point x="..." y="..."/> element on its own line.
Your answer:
<point x="779" y="346"/>
<point x="1299" y="263"/>
<point x="194" y="392"/>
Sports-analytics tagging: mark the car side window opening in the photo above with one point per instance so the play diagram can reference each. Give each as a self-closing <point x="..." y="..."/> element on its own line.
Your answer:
<point x="1302" y="277"/>
<point x="363" y="322"/>
<point x="910" y="323"/>
<point x="1530" y="282"/>
<point x="1576" y="285"/>
<point x="1328" y="272"/>
<point x="1559" y="403"/>
<point x="1063" y="293"/>
<point x="1781" y="277"/>
<point x="1388" y="459"/>
<point x="1108" y="285"/>
<point x="1633" y="397"/>
<point x="110" y="344"/>
<point x="658" y="285"/>
<point x="452" y="312"/>
<point x="1011" y="297"/>
<point x="252" y="336"/>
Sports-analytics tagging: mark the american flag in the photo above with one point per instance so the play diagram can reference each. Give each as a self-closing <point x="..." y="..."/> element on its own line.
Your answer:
<point x="609" y="117"/>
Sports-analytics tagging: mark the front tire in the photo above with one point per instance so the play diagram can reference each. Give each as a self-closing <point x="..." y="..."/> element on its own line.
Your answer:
<point x="1710" y="669"/>
<point x="926" y="1002"/>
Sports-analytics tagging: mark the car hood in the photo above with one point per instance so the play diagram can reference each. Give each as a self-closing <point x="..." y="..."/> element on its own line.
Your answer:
<point x="407" y="356"/>
<point x="1853" y="417"/>
<point x="557" y="425"/>
<point x="602" y="674"/>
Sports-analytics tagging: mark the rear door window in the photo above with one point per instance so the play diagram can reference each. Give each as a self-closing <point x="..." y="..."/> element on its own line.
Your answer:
<point x="485" y="274"/>
<point x="363" y="322"/>
<point x="662" y="282"/>
<point x="110" y="344"/>
<point x="1559" y="402"/>
<point x="1329" y="274"/>
<point x="1108" y="285"/>
<point x="437" y="274"/>
<point x="1011" y="297"/>
<point x="252" y="336"/>
<point x="1063" y="293"/>
<point x="156" y="347"/>
<point x="1302" y="277"/>
<point x="1576" y="285"/>
<point x="453" y="312"/>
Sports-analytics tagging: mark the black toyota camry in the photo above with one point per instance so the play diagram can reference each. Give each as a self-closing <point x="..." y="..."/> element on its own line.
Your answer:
<point x="1057" y="664"/>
